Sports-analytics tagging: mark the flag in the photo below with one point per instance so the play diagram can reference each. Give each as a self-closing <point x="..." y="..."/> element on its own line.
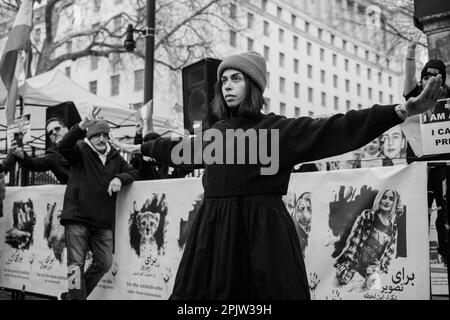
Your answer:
<point x="14" y="58"/>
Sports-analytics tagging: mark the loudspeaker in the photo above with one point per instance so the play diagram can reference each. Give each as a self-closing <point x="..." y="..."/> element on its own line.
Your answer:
<point x="198" y="91"/>
<point x="65" y="111"/>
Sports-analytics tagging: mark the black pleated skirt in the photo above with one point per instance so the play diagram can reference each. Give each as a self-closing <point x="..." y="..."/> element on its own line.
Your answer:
<point x="242" y="247"/>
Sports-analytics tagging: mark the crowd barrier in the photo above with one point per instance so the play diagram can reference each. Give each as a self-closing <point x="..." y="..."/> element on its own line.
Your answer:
<point x="325" y="206"/>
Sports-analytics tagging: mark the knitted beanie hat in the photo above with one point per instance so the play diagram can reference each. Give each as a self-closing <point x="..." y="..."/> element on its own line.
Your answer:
<point x="251" y="63"/>
<point x="99" y="126"/>
<point x="433" y="68"/>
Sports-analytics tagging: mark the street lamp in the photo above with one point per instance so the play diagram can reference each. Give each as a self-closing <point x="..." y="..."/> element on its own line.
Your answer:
<point x="130" y="45"/>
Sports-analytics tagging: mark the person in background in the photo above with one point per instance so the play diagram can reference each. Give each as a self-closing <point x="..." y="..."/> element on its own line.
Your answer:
<point x="436" y="173"/>
<point x="97" y="174"/>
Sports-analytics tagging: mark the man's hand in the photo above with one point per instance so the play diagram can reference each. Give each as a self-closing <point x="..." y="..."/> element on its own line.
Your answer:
<point x="114" y="186"/>
<point x="89" y="119"/>
<point x="427" y="99"/>
<point x="16" y="150"/>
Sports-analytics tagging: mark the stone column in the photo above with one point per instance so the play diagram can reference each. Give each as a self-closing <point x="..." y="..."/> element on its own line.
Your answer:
<point x="437" y="29"/>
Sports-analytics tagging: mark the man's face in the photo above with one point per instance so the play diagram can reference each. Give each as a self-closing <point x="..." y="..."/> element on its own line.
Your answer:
<point x="393" y="142"/>
<point x="99" y="142"/>
<point x="56" y="131"/>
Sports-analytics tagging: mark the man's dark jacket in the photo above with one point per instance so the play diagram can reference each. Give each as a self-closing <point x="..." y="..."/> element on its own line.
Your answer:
<point x="86" y="199"/>
<point x="52" y="160"/>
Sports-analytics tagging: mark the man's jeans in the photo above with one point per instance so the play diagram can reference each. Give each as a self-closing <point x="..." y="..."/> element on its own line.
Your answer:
<point x="81" y="238"/>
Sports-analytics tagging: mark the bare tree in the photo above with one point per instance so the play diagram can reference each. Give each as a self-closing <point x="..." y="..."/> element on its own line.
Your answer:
<point x="182" y="33"/>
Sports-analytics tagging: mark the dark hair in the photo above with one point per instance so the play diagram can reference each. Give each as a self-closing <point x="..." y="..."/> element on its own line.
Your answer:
<point x="251" y="106"/>
<point x="61" y="122"/>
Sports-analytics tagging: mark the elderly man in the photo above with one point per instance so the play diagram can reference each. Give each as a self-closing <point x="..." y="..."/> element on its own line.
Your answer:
<point x="98" y="171"/>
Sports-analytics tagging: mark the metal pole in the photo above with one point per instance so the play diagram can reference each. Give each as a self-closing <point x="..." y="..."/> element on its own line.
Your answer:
<point x="149" y="54"/>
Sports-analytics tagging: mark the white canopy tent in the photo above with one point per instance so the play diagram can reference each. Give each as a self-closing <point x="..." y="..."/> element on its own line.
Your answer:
<point x="54" y="87"/>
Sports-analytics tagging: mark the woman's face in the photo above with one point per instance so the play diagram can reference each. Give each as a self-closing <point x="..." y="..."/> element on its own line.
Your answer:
<point x="234" y="87"/>
<point x="387" y="201"/>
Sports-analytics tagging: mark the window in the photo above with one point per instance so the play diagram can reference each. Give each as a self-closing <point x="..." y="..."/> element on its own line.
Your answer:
<point x="334" y="59"/>
<point x="377" y="58"/>
<point x="388" y="62"/>
<point x="115" y="59"/>
<point x="380" y="96"/>
<point x="279" y="12"/>
<point x="296" y="64"/>
<point x="355" y="50"/>
<point x="323" y="99"/>
<point x="97" y="5"/>
<point x="319" y="33"/>
<point x="380" y="77"/>
<point x="282" y="108"/>
<point x="233" y="10"/>
<point x="310" y="70"/>
<point x="295" y="42"/>
<point x="281" y="35"/>
<point x="250" y="43"/>
<point x="390" y="81"/>
<point x="139" y="80"/>
<point x="115" y="82"/>
<point x="250" y="20"/>
<point x="347" y="105"/>
<point x="293" y="20"/>
<point x="307" y="24"/>
<point x="367" y="55"/>
<point x="266" y="53"/>
<point x="344" y="44"/>
<point x="69" y="46"/>
<point x="137" y="106"/>
<point x="359" y="106"/>
<point x="346" y="62"/>
<point x="282" y="85"/>
<point x="310" y="94"/>
<point x="335" y="81"/>
<point x="369" y="74"/>
<point x="233" y="38"/>
<point x="68" y="72"/>
<point x="268" y="79"/>
<point x="281" y="59"/>
<point x="358" y="69"/>
<point x="308" y="48"/>
<point x="322" y="54"/>
<point x="358" y="89"/>
<point x="117" y="22"/>
<point x="336" y="103"/>
<point x="369" y="93"/>
<point x="310" y="113"/>
<point x="332" y="38"/>
<point x="347" y="85"/>
<point x="93" y="87"/>
<point x="266" y="28"/>
<point x="297" y="112"/>
<point x="322" y="76"/>
<point x="296" y="90"/>
<point x="264" y="4"/>
<point x="94" y="62"/>
<point x="391" y="99"/>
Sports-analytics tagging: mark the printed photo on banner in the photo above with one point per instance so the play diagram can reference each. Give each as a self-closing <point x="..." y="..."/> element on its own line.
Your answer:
<point x="435" y="128"/>
<point x="300" y="210"/>
<point x="389" y="149"/>
<point x="371" y="228"/>
<point x="19" y="131"/>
